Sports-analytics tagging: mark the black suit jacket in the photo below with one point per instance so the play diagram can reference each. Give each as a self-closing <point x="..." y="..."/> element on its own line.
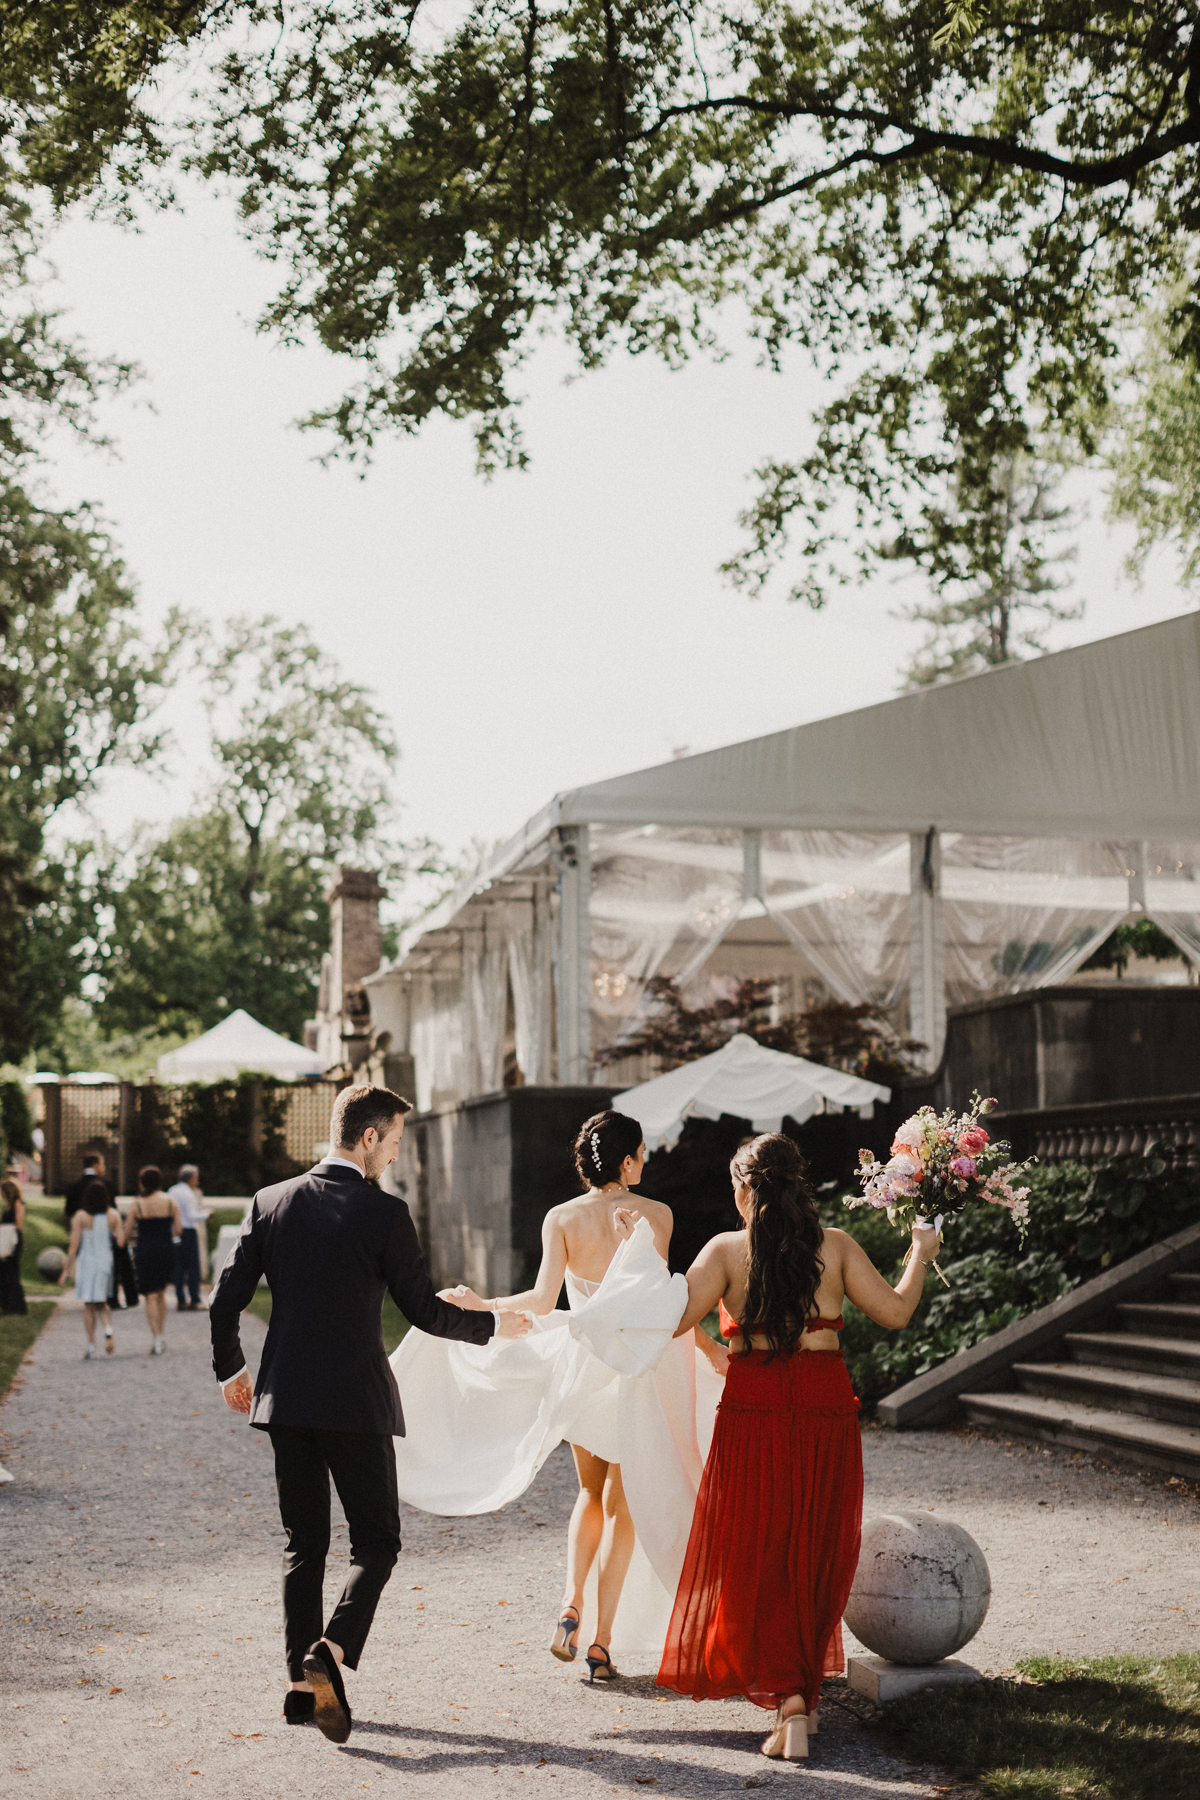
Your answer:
<point x="74" y="1191"/>
<point x="329" y="1243"/>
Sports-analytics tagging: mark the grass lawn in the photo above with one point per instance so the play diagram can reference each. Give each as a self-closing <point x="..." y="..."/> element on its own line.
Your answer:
<point x="394" y="1323"/>
<point x="18" y="1334"/>
<point x="1116" y="1728"/>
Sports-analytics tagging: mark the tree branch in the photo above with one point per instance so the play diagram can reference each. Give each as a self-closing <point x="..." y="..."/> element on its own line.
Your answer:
<point x="923" y="140"/>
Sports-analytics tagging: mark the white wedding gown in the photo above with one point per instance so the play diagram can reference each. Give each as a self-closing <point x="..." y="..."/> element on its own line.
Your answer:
<point x="609" y="1375"/>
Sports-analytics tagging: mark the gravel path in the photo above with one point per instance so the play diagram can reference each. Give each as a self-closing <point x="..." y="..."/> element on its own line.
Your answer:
<point x="140" y="1598"/>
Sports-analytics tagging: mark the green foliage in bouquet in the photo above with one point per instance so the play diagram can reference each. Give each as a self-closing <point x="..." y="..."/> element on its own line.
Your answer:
<point x="1081" y="1221"/>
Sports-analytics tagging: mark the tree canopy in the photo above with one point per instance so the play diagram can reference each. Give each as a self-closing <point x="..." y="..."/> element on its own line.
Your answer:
<point x="226" y="907"/>
<point x="955" y="211"/>
<point x="955" y="207"/>
<point x="77" y="686"/>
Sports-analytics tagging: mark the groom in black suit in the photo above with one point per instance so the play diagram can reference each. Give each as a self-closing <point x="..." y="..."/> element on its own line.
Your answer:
<point x="329" y="1243"/>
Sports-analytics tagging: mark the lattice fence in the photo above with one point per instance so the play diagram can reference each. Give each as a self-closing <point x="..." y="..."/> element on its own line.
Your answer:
<point x="243" y="1134"/>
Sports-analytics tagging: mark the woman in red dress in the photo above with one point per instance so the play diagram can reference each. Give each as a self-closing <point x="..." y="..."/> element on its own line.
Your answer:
<point x="775" y="1536"/>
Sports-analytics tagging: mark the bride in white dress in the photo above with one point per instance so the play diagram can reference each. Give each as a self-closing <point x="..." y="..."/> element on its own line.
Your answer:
<point x="607" y="1377"/>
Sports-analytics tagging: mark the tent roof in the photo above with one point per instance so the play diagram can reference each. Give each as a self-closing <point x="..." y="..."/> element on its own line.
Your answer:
<point x="238" y="1044"/>
<point x="1102" y="741"/>
<point x="1098" y="742"/>
<point x="747" y="1081"/>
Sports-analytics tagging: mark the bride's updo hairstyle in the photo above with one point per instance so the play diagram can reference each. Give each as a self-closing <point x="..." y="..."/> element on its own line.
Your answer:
<point x="604" y="1141"/>
<point x="784" y="1240"/>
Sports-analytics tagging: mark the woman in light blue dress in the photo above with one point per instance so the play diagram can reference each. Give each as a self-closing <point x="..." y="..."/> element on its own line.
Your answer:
<point x="95" y="1228"/>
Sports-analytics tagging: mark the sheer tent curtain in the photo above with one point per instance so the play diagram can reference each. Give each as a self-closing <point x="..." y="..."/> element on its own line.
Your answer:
<point x="1170" y="874"/>
<point x="662" y="899"/>
<point x="1024" y="913"/>
<point x="485" y="969"/>
<point x="528" y="933"/>
<point x="437" y="1040"/>
<point x="841" y="897"/>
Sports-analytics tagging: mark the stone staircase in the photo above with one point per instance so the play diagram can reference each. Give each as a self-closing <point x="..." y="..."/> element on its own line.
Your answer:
<point x="1131" y="1390"/>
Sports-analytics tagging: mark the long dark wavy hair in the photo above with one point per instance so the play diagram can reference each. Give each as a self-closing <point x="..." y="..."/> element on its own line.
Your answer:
<point x="784" y="1235"/>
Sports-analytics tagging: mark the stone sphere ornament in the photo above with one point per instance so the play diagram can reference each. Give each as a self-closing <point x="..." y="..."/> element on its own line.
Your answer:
<point x="51" y="1263"/>
<point x="922" y="1588"/>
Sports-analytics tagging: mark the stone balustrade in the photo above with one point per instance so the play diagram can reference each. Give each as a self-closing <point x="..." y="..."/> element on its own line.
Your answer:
<point x="1169" y="1126"/>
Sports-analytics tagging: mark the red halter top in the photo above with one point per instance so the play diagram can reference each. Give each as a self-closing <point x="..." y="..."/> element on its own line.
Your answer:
<point x="730" y="1326"/>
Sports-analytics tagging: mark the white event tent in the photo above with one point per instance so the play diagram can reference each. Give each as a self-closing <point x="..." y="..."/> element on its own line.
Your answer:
<point x="238" y="1045"/>
<point x="965" y="840"/>
<point x="748" y="1081"/>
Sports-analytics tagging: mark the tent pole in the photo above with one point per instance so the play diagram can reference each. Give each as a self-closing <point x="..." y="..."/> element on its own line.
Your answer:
<point x="574" y="955"/>
<point x="926" y="941"/>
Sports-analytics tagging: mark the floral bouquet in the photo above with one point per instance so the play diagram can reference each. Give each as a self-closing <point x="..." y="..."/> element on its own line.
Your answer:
<point x="938" y="1164"/>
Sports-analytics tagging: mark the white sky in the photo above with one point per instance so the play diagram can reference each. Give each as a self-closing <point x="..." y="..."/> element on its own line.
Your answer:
<point x="548" y="629"/>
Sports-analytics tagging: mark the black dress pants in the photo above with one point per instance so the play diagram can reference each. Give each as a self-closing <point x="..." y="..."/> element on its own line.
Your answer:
<point x="363" y="1467"/>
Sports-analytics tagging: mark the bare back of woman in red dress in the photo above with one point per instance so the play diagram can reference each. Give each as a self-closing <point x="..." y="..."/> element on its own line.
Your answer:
<point x="775" y="1535"/>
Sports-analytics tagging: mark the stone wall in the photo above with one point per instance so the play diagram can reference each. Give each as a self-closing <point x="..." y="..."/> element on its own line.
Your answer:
<point x="1071" y="1046"/>
<point x="480" y="1178"/>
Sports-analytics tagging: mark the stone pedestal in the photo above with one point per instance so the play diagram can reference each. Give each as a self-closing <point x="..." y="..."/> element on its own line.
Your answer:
<point x="882" y="1681"/>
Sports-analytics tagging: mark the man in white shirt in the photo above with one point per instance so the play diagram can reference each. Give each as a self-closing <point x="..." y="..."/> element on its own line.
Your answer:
<point x="188" y="1196"/>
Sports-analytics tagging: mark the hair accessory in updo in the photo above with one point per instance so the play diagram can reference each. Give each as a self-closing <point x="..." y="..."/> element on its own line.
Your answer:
<point x="602" y="1144"/>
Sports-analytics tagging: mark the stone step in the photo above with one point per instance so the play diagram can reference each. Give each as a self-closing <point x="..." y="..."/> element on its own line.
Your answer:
<point x="1126" y="1350"/>
<point x="1159" y="1319"/>
<point x="1185" y="1287"/>
<point x="1151" y="1443"/>
<point x="1153" y="1396"/>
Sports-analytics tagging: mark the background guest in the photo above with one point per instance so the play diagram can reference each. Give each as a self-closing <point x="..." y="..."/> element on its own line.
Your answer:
<point x="12" y="1294"/>
<point x="123" y="1278"/>
<point x="155" y="1223"/>
<point x="95" y="1228"/>
<point x="187" y="1195"/>
<point x="93" y="1170"/>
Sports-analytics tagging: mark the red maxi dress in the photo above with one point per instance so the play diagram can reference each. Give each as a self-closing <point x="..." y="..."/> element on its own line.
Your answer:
<point x="775" y="1535"/>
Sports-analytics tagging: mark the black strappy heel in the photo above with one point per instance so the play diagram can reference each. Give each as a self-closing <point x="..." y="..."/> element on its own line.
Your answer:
<point x="600" y="1667"/>
<point x="564" y="1631"/>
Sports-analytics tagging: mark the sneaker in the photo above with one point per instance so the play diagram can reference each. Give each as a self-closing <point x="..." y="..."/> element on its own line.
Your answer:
<point x="160" y="1344"/>
<point x="89" y="1353"/>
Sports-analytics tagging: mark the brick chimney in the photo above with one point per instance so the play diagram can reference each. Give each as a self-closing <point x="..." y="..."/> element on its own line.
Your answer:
<point x="343" y="1023"/>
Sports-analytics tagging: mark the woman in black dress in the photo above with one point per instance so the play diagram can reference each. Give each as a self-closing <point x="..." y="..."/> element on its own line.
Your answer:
<point x="155" y="1218"/>
<point x="12" y="1294"/>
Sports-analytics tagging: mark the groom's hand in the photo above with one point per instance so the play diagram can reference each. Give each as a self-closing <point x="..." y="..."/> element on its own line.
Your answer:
<point x="513" y="1325"/>
<point x="239" y="1393"/>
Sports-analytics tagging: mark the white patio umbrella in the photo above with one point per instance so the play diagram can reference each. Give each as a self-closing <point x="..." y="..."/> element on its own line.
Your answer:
<point x="239" y="1044"/>
<point x="748" y="1082"/>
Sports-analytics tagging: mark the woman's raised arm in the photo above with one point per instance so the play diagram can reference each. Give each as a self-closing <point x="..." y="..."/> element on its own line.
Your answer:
<point x="889" y="1306"/>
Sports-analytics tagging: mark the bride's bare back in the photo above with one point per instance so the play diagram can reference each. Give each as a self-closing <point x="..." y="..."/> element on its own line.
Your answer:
<point x="581" y="1235"/>
<point x="589" y="1230"/>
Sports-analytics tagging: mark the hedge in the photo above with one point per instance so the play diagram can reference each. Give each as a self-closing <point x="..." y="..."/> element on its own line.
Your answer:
<point x="1081" y="1221"/>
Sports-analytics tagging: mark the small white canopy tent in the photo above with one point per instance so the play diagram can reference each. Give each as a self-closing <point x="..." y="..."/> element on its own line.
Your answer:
<point x="238" y="1045"/>
<point x="747" y="1081"/>
<point x="977" y="838"/>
